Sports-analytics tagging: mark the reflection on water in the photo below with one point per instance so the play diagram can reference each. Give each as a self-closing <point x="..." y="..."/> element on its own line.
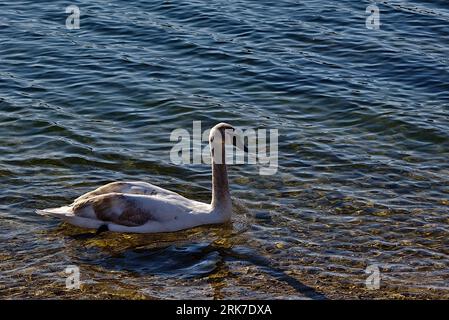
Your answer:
<point x="363" y="146"/>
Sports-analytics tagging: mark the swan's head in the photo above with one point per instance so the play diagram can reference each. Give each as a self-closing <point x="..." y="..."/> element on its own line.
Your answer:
<point x="223" y="131"/>
<point x="222" y="134"/>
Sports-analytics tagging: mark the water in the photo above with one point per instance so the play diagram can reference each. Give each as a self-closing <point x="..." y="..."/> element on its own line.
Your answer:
<point x="363" y="148"/>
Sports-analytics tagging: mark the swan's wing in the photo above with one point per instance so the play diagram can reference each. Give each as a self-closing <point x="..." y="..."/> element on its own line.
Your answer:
<point x="111" y="207"/>
<point x="142" y="188"/>
<point x="128" y="209"/>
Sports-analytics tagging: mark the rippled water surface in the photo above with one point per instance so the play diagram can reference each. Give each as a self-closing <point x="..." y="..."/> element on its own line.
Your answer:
<point x="362" y="114"/>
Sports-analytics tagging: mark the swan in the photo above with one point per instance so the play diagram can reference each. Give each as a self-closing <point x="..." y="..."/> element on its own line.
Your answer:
<point x="140" y="207"/>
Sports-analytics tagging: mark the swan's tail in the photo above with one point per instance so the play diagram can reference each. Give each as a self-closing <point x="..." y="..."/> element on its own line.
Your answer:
<point x="61" y="212"/>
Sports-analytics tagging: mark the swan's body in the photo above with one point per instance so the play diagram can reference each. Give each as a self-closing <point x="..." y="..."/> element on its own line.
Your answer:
<point x="145" y="208"/>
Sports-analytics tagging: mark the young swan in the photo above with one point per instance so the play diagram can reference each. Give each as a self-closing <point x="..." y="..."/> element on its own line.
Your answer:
<point x="141" y="207"/>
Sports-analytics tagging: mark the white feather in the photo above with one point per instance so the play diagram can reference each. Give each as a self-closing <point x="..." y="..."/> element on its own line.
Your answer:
<point x="144" y="208"/>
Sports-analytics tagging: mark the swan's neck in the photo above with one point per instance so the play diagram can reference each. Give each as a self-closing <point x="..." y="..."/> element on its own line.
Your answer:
<point x="221" y="198"/>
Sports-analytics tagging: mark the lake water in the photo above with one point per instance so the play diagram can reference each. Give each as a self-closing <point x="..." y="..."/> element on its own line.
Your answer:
<point x="362" y="114"/>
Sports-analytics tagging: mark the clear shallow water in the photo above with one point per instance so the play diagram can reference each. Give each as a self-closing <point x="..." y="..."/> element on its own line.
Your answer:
<point x="363" y="148"/>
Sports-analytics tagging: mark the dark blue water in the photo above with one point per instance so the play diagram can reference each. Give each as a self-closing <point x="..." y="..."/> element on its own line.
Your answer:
<point x="362" y="114"/>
